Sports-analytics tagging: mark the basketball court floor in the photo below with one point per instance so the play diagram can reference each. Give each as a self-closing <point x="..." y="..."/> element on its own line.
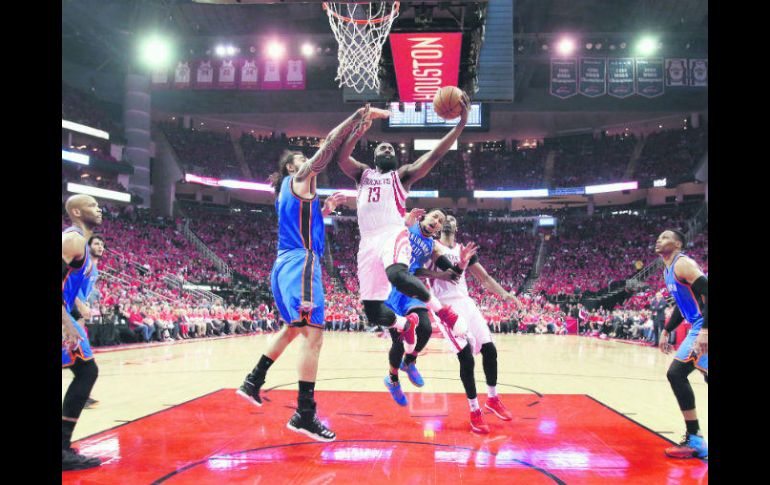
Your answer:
<point x="585" y="411"/>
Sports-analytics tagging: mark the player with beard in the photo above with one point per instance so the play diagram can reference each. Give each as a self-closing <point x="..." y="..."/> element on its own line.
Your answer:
<point x="689" y="286"/>
<point x="384" y="253"/>
<point x="76" y="353"/>
<point x="478" y="338"/>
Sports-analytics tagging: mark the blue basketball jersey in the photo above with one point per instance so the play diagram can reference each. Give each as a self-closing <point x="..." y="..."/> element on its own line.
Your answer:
<point x="300" y="221"/>
<point x="422" y="248"/>
<point x="683" y="295"/>
<point x="76" y="279"/>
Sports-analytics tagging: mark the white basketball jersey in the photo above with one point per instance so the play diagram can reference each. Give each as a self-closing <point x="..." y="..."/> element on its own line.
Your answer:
<point x="381" y="202"/>
<point x="447" y="289"/>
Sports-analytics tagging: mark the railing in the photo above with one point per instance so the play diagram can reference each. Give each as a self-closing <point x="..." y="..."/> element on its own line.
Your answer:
<point x="205" y="250"/>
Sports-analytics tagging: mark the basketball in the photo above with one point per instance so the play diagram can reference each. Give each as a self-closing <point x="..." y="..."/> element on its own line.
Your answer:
<point x="447" y="103"/>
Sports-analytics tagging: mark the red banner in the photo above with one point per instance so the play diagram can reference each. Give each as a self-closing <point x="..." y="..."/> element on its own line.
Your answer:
<point x="226" y="77"/>
<point x="425" y="62"/>
<point x="249" y="75"/>
<point x="204" y="74"/>
<point x="271" y="74"/>
<point x="295" y="74"/>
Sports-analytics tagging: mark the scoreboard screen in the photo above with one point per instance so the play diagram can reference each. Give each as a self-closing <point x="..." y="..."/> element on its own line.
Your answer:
<point x="426" y="118"/>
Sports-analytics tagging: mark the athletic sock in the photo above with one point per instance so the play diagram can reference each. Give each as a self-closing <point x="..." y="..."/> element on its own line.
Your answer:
<point x="410" y="359"/>
<point x="258" y="373"/>
<point x="433" y="304"/>
<point x="492" y="392"/>
<point x="692" y="426"/>
<point x="400" y="323"/>
<point x="67" y="427"/>
<point x="305" y="398"/>
<point x="393" y="377"/>
<point x="474" y="404"/>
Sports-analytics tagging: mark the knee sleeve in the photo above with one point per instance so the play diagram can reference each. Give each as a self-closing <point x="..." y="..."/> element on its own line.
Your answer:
<point x="677" y="377"/>
<point x="378" y="314"/>
<point x="489" y="361"/>
<point x="396" y="349"/>
<point x="406" y="283"/>
<point x="467" y="364"/>
<point x="80" y="388"/>
<point x="423" y="331"/>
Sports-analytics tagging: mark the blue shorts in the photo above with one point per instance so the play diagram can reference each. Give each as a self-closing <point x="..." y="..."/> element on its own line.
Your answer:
<point x="296" y="277"/>
<point x="685" y="352"/>
<point x="82" y="352"/>
<point x="401" y="304"/>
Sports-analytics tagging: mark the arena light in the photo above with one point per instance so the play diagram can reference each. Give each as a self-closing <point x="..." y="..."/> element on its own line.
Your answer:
<point x="422" y="144"/>
<point x="220" y="50"/>
<point x="275" y="50"/>
<point x="97" y="192"/>
<point x="659" y="182"/>
<point x="307" y="49"/>
<point x="155" y="52"/>
<point x="423" y="194"/>
<point x="566" y="46"/>
<point x="509" y="194"/>
<point x="230" y="50"/>
<point x="240" y="184"/>
<point x="86" y="130"/>
<point x="647" y="46"/>
<point x="75" y="157"/>
<point x="345" y="192"/>
<point x="617" y="187"/>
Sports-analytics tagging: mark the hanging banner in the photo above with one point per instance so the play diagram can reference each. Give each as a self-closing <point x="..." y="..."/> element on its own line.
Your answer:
<point x="226" y="75"/>
<point x="563" y="78"/>
<point x="271" y="74"/>
<point x="620" y="77"/>
<point x="649" y="77"/>
<point x="676" y="72"/>
<point x="593" y="77"/>
<point x="182" y="75"/>
<point x="204" y="75"/>
<point x="425" y="62"/>
<point x="295" y="74"/>
<point x="159" y="79"/>
<point x="249" y="75"/>
<point x="699" y="72"/>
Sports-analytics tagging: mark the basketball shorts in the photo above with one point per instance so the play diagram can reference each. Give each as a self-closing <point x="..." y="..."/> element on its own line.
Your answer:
<point x="375" y="253"/>
<point x="402" y="304"/>
<point x="478" y="331"/>
<point x="82" y="351"/>
<point x="296" y="278"/>
<point x="686" y="352"/>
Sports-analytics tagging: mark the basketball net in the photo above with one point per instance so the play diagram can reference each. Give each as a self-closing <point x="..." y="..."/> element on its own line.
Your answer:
<point x="361" y="29"/>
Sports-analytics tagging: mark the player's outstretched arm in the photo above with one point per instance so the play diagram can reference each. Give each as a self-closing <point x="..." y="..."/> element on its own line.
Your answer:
<point x="349" y="165"/>
<point x="333" y="141"/>
<point x="481" y="275"/>
<point x="411" y="173"/>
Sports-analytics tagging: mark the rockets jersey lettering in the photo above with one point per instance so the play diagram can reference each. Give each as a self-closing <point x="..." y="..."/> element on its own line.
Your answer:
<point x="683" y="295"/>
<point x="381" y="202"/>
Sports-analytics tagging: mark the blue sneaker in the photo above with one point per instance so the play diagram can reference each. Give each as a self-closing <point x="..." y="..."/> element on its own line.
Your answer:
<point x="413" y="373"/>
<point x="395" y="391"/>
<point x="691" y="446"/>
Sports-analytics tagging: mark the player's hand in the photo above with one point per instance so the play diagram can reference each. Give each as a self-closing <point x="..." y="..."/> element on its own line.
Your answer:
<point x="466" y="253"/>
<point x="512" y="298"/>
<point x="466" y="104"/>
<point x="414" y="216"/>
<point x="702" y="342"/>
<point x="332" y="202"/>
<point x="663" y="344"/>
<point x="70" y="335"/>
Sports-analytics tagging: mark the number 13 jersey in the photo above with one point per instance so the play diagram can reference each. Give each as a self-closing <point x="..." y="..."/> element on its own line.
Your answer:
<point x="381" y="203"/>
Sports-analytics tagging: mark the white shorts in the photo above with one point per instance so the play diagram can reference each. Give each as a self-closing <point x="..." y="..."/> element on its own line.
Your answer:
<point x="377" y="252"/>
<point x="478" y="332"/>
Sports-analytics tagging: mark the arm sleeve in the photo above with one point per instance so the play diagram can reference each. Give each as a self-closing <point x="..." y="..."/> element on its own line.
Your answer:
<point x="701" y="290"/>
<point x="675" y="320"/>
<point x="443" y="263"/>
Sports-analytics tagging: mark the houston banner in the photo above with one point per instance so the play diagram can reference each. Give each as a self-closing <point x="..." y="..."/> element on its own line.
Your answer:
<point x="620" y="77"/>
<point x="593" y="77"/>
<point x="425" y="62"/>
<point x="649" y="77"/>
<point x="563" y="78"/>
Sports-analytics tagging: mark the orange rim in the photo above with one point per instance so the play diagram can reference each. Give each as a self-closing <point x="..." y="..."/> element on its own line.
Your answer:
<point x="359" y="21"/>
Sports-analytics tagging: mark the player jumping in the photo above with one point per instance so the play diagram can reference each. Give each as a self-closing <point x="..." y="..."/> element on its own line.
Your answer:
<point x="689" y="286"/>
<point x="296" y="276"/>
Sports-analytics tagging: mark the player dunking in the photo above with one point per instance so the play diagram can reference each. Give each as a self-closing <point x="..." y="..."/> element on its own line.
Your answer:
<point x="689" y="286"/>
<point x="384" y="253"/>
<point x="76" y="354"/>
<point x="296" y="276"/>
<point x="479" y="338"/>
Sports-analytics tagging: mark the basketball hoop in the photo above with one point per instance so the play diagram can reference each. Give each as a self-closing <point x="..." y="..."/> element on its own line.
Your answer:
<point x="361" y="29"/>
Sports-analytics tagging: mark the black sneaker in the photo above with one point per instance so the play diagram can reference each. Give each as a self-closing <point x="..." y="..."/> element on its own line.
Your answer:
<point x="250" y="392"/>
<point x="71" y="460"/>
<point x="311" y="427"/>
<point x="90" y="403"/>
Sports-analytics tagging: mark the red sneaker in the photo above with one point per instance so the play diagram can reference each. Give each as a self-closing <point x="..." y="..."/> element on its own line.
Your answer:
<point x="412" y="320"/>
<point x="450" y="318"/>
<point x="477" y="422"/>
<point x="495" y="405"/>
